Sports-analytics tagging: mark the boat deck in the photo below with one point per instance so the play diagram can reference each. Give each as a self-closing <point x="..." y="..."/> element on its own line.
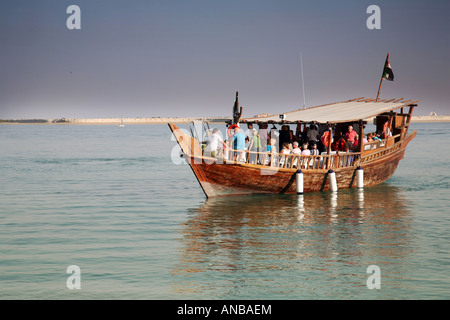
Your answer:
<point x="312" y="163"/>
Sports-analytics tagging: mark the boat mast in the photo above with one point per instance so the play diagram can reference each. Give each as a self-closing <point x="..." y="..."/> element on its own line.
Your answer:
<point x="379" y="88"/>
<point x="303" y="82"/>
<point x="385" y="75"/>
<point x="237" y="112"/>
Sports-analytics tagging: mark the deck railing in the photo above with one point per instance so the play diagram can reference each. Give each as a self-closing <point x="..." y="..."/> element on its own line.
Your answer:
<point x="291" y="161"/>
<point x="382" y="152"/>
<point x="308" y="162"/>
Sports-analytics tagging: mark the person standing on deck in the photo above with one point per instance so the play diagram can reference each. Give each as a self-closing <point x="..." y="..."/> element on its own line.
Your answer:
<point x="254" y="146"/>
<point x="264" y="136"/>
<point x="285" y="136"/>
<point x="249" y="133"/>
<point x="312" y="135"/>
<point x="350" y="137"/>
<point x="239" y="144"/>
<point x="213" y="143"/>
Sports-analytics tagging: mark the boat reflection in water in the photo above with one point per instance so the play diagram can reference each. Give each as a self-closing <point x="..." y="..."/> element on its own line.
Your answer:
<point x="316" y="245"/>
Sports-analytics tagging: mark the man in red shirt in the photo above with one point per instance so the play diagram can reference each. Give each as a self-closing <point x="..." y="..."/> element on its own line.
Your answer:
<point x="350" y="136"/>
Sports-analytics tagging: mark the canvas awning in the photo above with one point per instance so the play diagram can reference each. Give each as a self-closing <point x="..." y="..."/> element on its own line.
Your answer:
<point x="347" y="111"/>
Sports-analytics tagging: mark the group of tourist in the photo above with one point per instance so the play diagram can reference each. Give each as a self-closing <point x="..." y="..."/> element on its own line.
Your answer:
<point x="373" y="136"/>
<point x="309" y="140"/>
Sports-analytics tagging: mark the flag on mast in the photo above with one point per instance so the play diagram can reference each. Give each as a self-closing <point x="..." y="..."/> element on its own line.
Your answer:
<point x="387" y="72"/>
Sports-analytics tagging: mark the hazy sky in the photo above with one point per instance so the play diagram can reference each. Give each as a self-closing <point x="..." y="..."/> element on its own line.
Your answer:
<point x="188" y="58"/>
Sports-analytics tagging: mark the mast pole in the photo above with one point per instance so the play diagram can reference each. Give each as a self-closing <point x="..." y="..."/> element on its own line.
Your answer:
<point x="303" y="82"/>
<point x="382" y="76"/>
<point x="361" y="134"/>
<point x="237" y="111"/>
<point x="379" y="88"/>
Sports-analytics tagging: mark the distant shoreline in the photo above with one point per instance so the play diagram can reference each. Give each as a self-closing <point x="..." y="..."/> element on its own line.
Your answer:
<point x="430" y="119"/>
<point x="129" y="121"/>
<point x="111" y="121"/>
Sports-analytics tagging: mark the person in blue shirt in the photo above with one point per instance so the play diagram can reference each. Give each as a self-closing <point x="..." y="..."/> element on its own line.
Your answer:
<point x="238" y="143"/>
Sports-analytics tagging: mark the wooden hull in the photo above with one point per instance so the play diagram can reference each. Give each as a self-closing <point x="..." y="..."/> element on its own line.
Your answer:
<point x="222" y="179"/>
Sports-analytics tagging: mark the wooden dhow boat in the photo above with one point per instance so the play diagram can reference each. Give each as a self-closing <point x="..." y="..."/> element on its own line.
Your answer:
<point x="369" y="164"/>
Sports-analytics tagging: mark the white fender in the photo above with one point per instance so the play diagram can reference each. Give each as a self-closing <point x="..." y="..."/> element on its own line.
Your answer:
<point x="299" y="181"/>
<point x="332" y="180"/>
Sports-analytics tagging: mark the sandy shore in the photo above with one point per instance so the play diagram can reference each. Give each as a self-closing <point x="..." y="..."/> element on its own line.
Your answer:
<point x="112" y="121"/>
<point x="430" y="119"/>
<point x="127" y="121"/>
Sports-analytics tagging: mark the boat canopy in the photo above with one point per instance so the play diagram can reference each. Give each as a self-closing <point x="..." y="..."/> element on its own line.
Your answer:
<point x="347" y="111"/>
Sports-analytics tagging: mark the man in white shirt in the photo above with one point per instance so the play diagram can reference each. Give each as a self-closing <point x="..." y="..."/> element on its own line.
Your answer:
<point x="213" y="143"/>
<point x="249" y="133"/>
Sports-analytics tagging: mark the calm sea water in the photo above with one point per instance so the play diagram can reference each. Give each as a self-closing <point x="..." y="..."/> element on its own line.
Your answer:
<point x="117" y="203"/>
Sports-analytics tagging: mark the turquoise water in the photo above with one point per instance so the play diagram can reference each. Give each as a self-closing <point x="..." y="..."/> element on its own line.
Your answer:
<point x="119" y="204"/>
